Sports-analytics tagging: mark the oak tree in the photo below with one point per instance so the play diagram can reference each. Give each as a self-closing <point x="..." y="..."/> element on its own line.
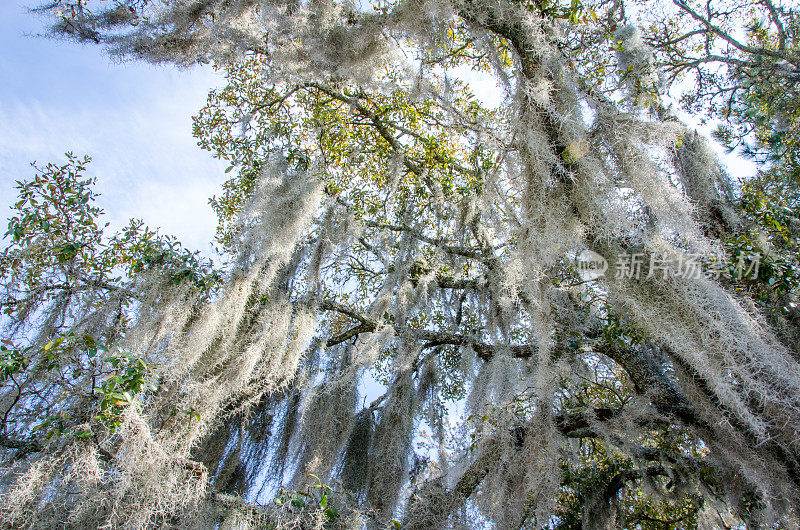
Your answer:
<point x="407" y="334"/>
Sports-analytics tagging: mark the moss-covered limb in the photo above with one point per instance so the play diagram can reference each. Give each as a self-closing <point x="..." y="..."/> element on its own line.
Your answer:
<point x="430" y="339"/>
<point x="648" y="377"/>
<point x="22" y="448"/>
<point x="432" y="503"/>
<point x="599" y="500"/>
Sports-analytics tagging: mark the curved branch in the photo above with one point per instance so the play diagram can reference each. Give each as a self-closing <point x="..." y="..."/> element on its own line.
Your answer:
<point x="733" y="42"/>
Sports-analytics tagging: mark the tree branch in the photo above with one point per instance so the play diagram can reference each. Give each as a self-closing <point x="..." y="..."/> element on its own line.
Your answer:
<point x="733" y="42"/>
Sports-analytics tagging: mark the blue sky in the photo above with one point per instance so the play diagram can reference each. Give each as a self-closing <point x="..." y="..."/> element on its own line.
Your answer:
<point x="133" y="119"/>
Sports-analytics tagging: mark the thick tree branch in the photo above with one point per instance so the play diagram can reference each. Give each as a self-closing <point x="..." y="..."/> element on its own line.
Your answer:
<point x="23" y="447"/>
<point x="431" y="338"/>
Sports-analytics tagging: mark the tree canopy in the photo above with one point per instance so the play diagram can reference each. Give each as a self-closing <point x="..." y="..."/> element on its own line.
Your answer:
<point x="477" y="273"/>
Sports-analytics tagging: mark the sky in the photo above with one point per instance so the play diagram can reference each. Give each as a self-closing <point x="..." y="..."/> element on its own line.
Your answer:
<point x="133" y="119"/>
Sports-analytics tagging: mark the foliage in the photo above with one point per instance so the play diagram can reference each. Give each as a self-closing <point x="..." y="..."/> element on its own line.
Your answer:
<point x="68" y="297"/>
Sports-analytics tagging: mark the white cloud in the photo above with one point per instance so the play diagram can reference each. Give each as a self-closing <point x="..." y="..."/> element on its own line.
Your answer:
<point x="133" y="119"/>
